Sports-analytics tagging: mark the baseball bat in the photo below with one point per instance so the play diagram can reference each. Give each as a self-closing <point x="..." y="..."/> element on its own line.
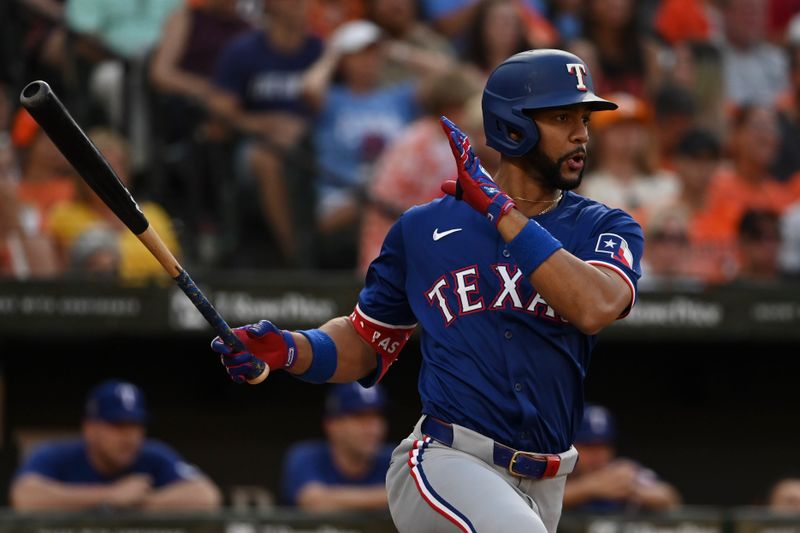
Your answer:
<point x="48" y="111"/>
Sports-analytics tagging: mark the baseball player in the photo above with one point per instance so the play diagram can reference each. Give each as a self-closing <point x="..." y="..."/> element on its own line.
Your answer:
<point x="510" y="279"/>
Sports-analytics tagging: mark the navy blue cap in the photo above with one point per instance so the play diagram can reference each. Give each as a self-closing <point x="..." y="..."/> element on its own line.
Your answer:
<point x="351" y="398"/>
<point x="597" y="426"/>
<point x="116" y="402"/>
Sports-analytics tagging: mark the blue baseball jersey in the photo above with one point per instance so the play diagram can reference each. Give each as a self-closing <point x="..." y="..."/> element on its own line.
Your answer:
<point x="67" y="461"/>
<point x="263" y="77"/>
<point x="309" y="462"/>
<point x="496" y="358"/>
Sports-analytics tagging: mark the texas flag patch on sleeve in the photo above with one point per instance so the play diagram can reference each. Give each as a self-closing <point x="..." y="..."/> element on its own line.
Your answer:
<point x="615" y="246"/>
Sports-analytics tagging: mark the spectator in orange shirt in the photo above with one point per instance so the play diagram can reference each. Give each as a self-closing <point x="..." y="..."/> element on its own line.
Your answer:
<point x="25" y="250"/>
<point x="47" y="177"/>
<point x="748" y="184"/>
<point x="708" y="248"/>
<point x="711" y="253"/>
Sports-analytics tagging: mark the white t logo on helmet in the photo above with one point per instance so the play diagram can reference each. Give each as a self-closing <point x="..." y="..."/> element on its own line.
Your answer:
<point x="580" y="71"/>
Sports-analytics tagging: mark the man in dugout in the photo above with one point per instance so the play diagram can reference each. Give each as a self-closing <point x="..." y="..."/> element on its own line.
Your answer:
<point x="112" y="466"/>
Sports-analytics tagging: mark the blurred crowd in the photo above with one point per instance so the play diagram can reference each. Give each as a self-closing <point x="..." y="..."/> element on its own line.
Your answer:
<point x="292" y="133"/>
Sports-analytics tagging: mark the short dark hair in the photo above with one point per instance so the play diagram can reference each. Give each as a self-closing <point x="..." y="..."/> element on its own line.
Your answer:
<point x="758" y="224"/>
<point x="671" y="100"/>
<point x="699" y="143"/>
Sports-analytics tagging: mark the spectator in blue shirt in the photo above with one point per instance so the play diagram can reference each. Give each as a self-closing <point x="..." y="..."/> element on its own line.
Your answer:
<point x="603" y="482"/>
<point x="258" y="81"/>
<point x="357" y="118"/>
<point x="348" y="470"/>
<point x="113" y="465"/>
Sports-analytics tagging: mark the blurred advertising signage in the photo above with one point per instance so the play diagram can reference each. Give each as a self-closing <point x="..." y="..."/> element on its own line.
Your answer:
<point x="240" y="307"/>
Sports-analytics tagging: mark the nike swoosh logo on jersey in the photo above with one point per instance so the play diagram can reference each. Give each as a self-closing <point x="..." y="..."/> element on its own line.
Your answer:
<point x="437" y="235"/>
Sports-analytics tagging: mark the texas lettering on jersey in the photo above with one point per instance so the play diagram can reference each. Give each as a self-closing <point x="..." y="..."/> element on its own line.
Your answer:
<point x="465" y="291"/>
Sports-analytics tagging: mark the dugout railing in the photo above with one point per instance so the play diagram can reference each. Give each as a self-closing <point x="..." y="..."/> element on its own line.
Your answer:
<point x="691" y="520"/>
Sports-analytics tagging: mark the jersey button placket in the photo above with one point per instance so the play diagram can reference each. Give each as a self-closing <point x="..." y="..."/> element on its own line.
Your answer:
<point x="508" y="335"/>
<point x="518" y="387"/>
<point x="506" y="253"/>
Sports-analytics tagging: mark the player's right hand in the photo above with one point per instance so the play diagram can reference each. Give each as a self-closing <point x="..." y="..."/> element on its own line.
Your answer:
<point x="265" y="342"/>
<point x="474" y="185"/>
<point x="129" y="491"/>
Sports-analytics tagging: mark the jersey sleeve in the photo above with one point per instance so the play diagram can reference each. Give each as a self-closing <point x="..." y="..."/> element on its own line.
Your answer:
<point x="228" y="72"/>
<point x="300" y="467"/>
<point x="383" y="316"/>
<point x="46" y="460"/>
<point x="165" y="464"/>
<point x="616" y="242"/>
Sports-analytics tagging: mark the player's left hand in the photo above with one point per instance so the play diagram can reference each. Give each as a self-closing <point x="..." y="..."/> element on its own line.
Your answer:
<point x="474" y="185"/>
<point x="264" y="342"/>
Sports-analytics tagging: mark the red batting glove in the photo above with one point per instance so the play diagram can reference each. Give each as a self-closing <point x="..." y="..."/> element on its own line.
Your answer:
<point x="474" y="185"/>
<point x="263" y="341"/>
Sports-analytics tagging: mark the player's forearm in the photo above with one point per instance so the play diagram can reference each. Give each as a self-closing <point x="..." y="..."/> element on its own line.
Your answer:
<point x="318" y="78"/>
<point x="355" y="359"/>
<point x="36" y="493"/>
<point x="173" y="80"/>
<point x="577" y="492"/>
<point x="658" y="496"/>
<point x="588" y="297"/>
<point x="226" y="107"/>
<point x="318" y="497"/>
<point x="196" y="494"/>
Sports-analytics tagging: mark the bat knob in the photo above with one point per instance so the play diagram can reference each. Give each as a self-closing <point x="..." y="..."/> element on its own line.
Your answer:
<point x="261" y="377"/>
<point x="34" y="94"/>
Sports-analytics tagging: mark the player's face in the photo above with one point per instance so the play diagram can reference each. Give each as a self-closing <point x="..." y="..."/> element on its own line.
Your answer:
<point x="560" y="154"/>
<point x="358" y="435"/>
<point x="360" y="69"/>
<point x="593" y="457"/>
<point x="113" y="446"/>
<point x="786" y="496"/>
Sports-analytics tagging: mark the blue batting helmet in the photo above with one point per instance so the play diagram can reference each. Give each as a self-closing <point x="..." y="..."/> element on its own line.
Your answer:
<point x="535" y="79"/>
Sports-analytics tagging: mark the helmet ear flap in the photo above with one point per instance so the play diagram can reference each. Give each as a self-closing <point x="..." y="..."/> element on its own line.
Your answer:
<point x="528" y="138"/>
<point x="509" y="131"/>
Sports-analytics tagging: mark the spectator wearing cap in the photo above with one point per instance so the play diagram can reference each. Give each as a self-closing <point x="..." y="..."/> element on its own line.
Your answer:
<point x="113" y="465"/>
<point x="606" y="483"/>
<point x="357" y="119"/>
<point x="347" y="471"/>
<point x="401" y="181"/>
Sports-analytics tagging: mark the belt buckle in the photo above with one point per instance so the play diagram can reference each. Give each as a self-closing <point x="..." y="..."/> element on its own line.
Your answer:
<point x="550" y="470"/>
